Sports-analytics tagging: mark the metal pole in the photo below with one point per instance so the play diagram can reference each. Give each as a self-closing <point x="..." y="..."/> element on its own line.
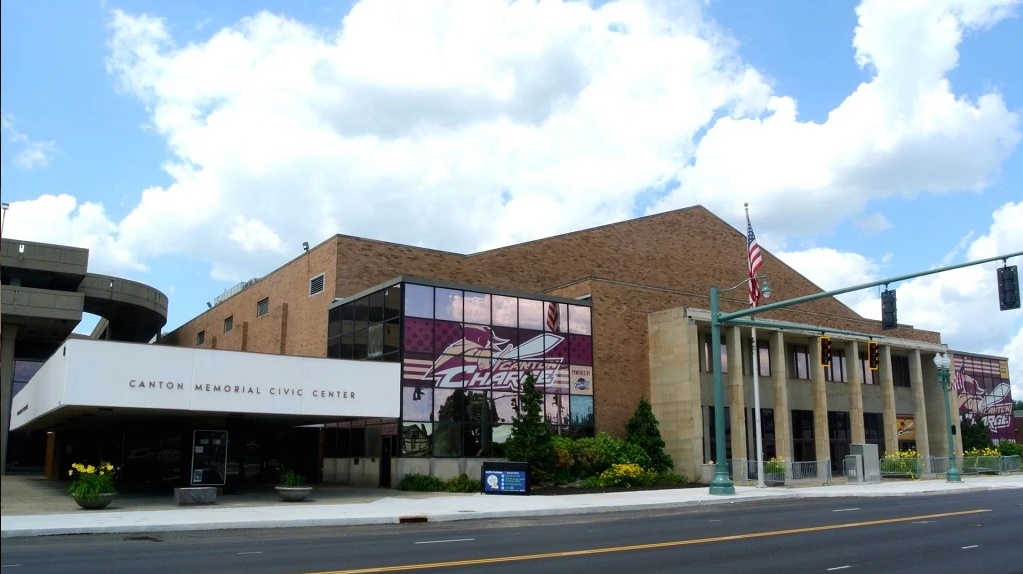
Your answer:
<point x="726" y="317"/>
<point x="721" y="484"/>
<point x="953" y="472"/>
<point x="756" y="411"/>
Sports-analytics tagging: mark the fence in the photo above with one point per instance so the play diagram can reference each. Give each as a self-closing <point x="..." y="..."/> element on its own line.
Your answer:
<point x="804" y="473"/>
<point x="929" y="467"/>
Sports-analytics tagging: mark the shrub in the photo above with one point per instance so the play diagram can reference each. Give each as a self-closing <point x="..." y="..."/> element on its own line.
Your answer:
<point x="91" y="481"/>
<point x="642" y="430"/>
<point x="420" y="483"/>
<point x="599" y="453"/>
<point x="424" y="483"/>
<point x="291" y="478"/>
<point x="775" y="467"/>
<point x="462" y="484"/>
<point x="900" y="462"/>
<point x="627" y="475"/>
<point x="1007" y="448"/>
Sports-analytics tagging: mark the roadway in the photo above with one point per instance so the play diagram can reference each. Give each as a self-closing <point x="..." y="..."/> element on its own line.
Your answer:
<point x="967" y="532"/>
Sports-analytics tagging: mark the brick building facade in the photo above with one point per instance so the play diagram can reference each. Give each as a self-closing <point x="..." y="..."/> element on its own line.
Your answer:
<point x="630" y="271"/>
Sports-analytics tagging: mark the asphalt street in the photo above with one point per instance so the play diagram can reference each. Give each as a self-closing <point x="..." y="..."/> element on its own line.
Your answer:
<point x="977" y="532"/>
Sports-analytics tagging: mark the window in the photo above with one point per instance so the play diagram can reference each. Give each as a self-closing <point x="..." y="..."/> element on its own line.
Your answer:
<point x="708" y="365"/>
<point x="263" y="307"/>
<point x="200" y="338"/>
<point x="900" y="371"/>
<point x="316" y="285"/>
<point x="763" y="357"/>
<point x="836" y="372"/>
<point x="868" y="375"/>
<point x="799" y="362"/>
<point x="229" y="324"/>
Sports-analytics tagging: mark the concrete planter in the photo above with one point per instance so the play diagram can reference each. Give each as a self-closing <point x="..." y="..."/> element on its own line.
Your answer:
<point x="100" y="502"/>
<point x="707" y="472"/>
<point x="293" y="493"/>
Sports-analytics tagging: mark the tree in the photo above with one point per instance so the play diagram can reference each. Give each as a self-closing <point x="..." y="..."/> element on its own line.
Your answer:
<point x="531" y="439"/>
<point x="643" y="431"/>
<point x="1017" y="405"/>
<point x="976" y="434"/>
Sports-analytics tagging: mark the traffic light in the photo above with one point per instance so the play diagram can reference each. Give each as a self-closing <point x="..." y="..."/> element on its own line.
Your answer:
<point x="1008" y="288"/>
<point x="825" y="351"/>
<point x="873" y="356"/>
<point x="888" y="314"/>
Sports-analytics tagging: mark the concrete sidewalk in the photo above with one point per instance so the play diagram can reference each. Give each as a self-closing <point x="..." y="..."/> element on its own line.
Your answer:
<point x="339" y="506"/>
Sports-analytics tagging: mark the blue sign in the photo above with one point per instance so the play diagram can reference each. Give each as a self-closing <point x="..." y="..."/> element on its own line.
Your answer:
<point x="505" y="478"/>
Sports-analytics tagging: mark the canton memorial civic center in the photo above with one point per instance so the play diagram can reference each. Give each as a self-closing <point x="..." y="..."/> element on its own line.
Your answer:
<point x="360" y="361"/>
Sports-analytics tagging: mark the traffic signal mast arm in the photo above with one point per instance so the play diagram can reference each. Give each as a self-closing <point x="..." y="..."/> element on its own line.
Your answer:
<point x="728" y="317"/>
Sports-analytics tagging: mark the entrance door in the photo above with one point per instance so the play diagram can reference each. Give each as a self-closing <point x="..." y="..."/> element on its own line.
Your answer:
<point x="385" y="461"/>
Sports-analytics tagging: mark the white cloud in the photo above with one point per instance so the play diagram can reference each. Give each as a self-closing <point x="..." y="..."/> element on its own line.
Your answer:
<point x="962" y="304"/>
<point x="61" y="219"/>
<point x="33" y="154"/>
<point x="468" y="124"/>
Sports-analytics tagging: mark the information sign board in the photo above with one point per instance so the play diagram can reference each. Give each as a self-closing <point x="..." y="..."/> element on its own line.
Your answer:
<point x="505" y="478"/>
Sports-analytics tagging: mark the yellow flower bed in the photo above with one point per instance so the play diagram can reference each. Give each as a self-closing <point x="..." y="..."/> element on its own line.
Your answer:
<point x="91" y="481"/>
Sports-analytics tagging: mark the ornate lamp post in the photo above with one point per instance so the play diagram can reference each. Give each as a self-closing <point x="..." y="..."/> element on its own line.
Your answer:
<point x="942" y="362"/>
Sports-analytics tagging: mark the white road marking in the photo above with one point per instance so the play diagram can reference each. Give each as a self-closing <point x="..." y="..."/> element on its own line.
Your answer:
<point x="443" y="541"/>
<point x="968" y="547"/>
<point x="837" y="568"/>
<point x="9" y="565"/>
<point x="924" y="522"/>
<point x="257" y="552"/>
<point x="844" y="509"/>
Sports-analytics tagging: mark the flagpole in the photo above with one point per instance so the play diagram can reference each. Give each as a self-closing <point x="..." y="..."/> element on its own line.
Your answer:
<point x="756" y="383"/>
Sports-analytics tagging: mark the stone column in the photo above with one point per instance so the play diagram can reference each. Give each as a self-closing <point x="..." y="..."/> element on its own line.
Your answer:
<point x="8" y="337"/>
<point x="916" y="384"/>
<point x="782" y="418"/>
<point x="675" y="387"/>
<point x="891" y="428"/>
<point x="736" y="398"/>
<point x="855" y="371"/>
<point x="821" y="436"/>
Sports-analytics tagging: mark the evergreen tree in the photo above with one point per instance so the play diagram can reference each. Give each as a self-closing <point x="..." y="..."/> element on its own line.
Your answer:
<point x="643" y="431"/>
<point x="531" y="439"/>
<point x="976" y="434"/>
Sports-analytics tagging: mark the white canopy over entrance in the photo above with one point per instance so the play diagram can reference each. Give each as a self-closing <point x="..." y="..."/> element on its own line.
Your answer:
<point x="87" y="377"/>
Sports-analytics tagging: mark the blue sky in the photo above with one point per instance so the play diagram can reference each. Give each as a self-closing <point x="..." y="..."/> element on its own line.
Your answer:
<point x="465" y="126"/>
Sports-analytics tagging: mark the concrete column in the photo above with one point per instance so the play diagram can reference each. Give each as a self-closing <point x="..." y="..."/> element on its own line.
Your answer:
<point x="674" y="357"/>
<point x="855" y="371"/>
<point x="8" y="337"/>
<point x="821" y="436"/>
<point x="736" y="394"/>
<point x="891" y="428"/>
<point x="782" y="418"/>
<point x="916" y="384"/>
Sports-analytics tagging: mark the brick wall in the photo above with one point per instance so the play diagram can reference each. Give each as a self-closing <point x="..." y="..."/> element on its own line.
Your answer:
<point x="630" y="268"/>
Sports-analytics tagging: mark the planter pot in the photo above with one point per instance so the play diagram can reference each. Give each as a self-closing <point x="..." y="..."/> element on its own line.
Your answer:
<point x="707" y="472"/>
<point x="293" y="493"/>
<point x="99" y="502"/>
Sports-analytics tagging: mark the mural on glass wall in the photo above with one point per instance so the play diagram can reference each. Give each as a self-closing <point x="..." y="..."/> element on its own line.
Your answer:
<point x="982" y="385"/>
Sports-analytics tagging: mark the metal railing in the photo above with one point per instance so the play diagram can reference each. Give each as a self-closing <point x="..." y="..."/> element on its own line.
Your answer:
<point x="934" y="466"/>
<point x="744" y="472"/>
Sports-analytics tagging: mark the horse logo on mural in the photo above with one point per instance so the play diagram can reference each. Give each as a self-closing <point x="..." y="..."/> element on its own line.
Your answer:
<point x="483" y="359"/>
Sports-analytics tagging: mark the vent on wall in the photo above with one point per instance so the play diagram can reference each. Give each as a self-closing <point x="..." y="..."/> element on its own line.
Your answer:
<point x="200" y="338"/>
<point x="316" y="285"/>
<point x="229" y="324"/>
<point x="263" y="307"/>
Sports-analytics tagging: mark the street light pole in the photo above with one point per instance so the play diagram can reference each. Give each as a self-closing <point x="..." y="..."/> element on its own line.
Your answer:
<point x="942" y="362"/>
<point x="722" y="483"/>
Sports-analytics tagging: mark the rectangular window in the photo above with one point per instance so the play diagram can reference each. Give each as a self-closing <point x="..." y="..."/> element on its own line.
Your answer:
<point x="763" y="357"/>
<point x="316" y="285"/>
<point x="229" y="324"/>
<point x="900" y="371"/>
<point x="707" y="357"/>
<point x="799" y="362"/>
<point x="868" y="375"/>
<point x="200" y="338"/>
<point x="263" y="307"/>
<point x="836" y="372"/>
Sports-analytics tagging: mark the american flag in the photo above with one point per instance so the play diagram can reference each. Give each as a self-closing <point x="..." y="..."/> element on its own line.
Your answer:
<point x="553" y="318"/>
<point x="755" y="263"/>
